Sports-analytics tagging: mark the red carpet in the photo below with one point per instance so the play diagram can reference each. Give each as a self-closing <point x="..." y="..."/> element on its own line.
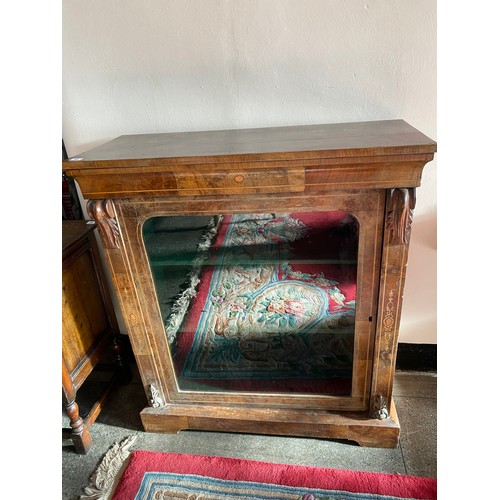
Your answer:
<point x="153" y="475"/>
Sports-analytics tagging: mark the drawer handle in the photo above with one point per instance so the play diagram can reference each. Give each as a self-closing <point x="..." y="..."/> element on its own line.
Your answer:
<point x="239" y="178"/>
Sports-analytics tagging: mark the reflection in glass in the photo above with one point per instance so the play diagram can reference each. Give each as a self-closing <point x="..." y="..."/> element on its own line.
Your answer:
<point x="260" y="303"/>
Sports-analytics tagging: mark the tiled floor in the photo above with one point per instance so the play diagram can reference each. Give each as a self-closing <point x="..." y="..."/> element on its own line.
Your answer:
<point x="414" y="395"/>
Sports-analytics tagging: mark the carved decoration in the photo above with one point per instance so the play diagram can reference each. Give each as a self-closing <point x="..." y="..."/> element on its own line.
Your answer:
<point x="400" y="215"/>
<point x="103" y="212"/>
<point x="380" y="408"/>
<point x="154" y="398"/>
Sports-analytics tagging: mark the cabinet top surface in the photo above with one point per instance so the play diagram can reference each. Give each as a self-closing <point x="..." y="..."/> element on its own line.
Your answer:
<point x="292" y="142"/>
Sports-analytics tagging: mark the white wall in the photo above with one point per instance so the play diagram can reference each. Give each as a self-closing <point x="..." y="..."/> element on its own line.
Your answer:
<point x="141" y="66"/>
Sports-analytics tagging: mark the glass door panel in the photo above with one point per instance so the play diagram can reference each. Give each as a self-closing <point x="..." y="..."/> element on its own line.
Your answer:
<point x="258" y="302"/>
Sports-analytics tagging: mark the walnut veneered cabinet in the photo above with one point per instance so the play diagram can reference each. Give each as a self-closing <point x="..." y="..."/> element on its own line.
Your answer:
<point x="260" y="272"/>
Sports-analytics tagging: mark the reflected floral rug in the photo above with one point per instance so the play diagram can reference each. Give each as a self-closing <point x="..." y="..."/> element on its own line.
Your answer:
<point x="274" y="307"/>
<point x="151" y="475"/>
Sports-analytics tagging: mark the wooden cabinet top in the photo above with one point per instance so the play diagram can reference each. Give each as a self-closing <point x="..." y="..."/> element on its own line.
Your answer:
<point x="333" y="140"/>
<point x="162" y="164"/>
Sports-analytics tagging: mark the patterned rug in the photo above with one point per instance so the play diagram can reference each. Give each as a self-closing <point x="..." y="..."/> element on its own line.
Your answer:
<point x="153" y="475"/>
<point x="271" y="305"/>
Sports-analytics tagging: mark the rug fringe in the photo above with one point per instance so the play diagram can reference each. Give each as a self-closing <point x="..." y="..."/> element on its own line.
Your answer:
<point x="184" y="299"/>
<point x="103" y="479"/>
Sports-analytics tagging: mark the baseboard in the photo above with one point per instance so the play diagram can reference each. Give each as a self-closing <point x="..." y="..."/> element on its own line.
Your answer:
<point x="417" y="357"/>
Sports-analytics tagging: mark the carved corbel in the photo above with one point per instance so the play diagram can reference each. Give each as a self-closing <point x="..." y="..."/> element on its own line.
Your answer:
<point x="400" y="215"/>
<point x="103" y="212"/>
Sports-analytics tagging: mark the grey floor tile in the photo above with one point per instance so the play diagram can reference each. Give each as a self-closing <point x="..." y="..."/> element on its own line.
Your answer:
<point x="353" y="457"/>
<point x="278" y="449"/>
<point x="418" y="440"/>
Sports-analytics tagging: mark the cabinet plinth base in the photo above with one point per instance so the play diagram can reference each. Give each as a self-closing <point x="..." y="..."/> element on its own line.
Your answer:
<point x="351" y="426"/>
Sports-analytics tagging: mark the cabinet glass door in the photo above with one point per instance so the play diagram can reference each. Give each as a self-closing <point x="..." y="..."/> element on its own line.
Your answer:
<point x="258" y="302"/>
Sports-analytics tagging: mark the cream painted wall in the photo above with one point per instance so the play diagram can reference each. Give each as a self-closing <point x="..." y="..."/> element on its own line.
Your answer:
<point x="161" y="65"/>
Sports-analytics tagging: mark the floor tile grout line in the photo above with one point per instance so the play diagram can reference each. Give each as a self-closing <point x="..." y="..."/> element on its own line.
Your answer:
<point x="403" y="456"/>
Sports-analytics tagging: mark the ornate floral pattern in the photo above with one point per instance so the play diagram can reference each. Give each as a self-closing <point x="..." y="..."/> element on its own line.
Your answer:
<point x="263" y="317"/>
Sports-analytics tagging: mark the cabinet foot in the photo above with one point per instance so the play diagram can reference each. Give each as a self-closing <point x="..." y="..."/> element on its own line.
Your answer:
<point x="350" y="426"/>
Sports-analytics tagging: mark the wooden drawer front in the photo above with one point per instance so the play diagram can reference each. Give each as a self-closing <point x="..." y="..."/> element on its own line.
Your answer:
<point x="194" y="182"/>
<point x="246" y="181"/>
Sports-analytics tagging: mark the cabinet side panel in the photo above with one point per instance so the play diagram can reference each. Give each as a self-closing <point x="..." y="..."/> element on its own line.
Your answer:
<point x="83" y="313"/>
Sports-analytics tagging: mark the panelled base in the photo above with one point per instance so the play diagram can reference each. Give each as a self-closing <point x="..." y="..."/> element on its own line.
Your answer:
<point x="351" y="426"/>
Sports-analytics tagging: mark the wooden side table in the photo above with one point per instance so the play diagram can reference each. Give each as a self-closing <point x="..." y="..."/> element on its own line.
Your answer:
<point x="89" y="327"/>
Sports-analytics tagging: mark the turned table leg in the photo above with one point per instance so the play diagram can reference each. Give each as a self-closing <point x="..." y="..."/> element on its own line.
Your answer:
<point x="80" y="435"/>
